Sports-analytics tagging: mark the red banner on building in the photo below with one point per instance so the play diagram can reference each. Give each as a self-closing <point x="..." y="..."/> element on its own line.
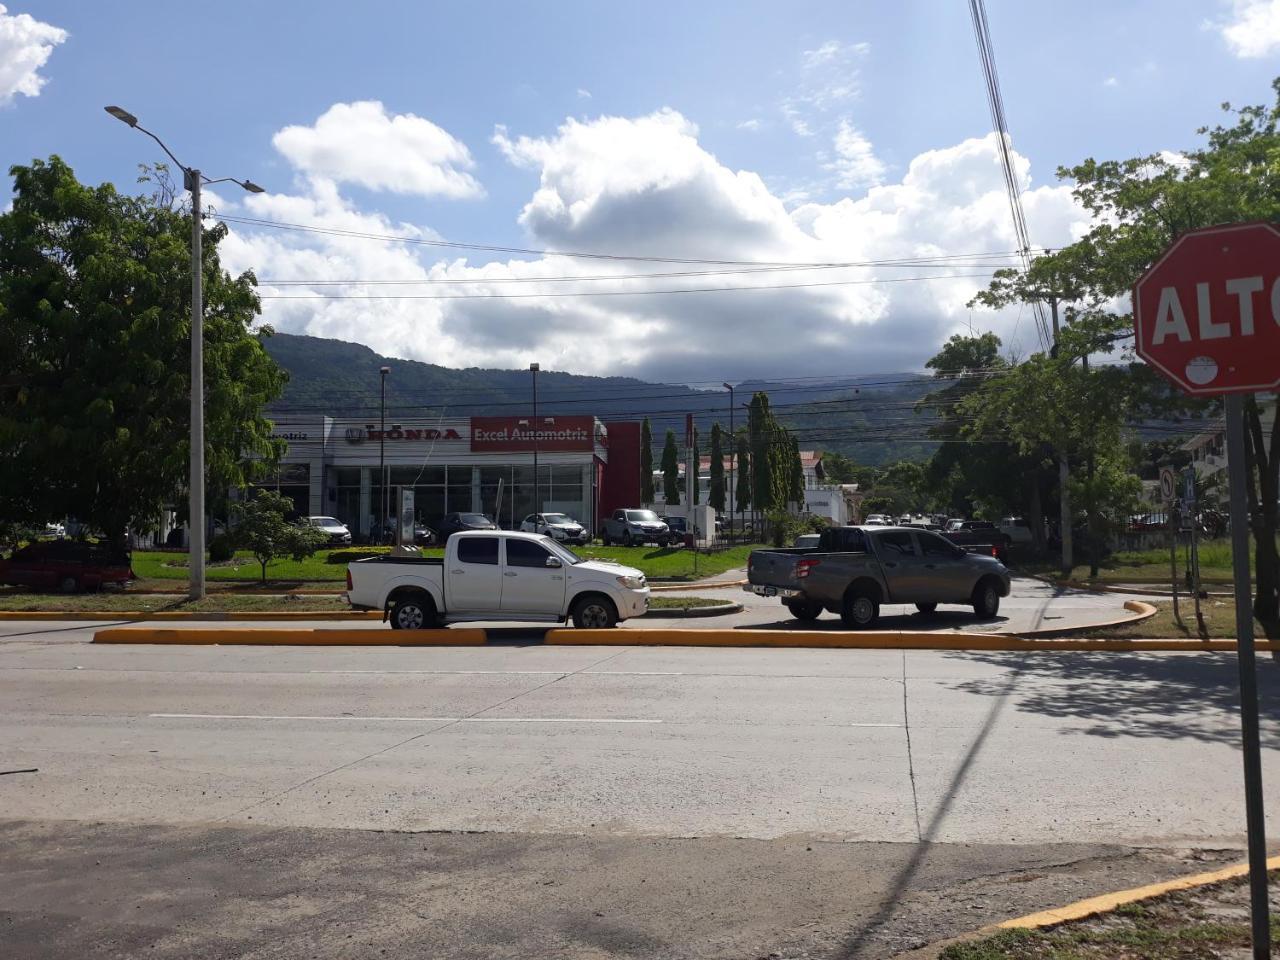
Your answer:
<point x="559" y="434"/>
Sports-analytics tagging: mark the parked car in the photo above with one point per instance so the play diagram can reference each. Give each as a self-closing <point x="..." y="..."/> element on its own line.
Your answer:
<point x="66" y="565"/>
<point x="980" y="533"/>
<point x="808" y="540"/>
<point x="854" y="570"/>
<point x="877" y="520"/>
<point x="55" y="530"/>
<point x="955" y="523"/>
<point x="558" y="526"/>
<point x="1017" y="529"/>
<point x="423" y="535"/>
<point x="633" y="527"/>
<point x="332" y="528"/>
<point x="459" y="522"/>
<point x="497" y="575"/>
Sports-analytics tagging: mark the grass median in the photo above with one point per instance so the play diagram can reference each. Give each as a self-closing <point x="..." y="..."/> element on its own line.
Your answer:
<point x="656" y="563"/>
<point x="1198" y="924"/>
<point x="151" y="603"/>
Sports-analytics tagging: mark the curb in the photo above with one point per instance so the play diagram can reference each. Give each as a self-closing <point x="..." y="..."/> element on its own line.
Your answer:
<point x="716" y="610"/>
<point x="185" y="615"/>
<point x="248" y="636"/>
<point x="664" y="585"/>
<point x="1140" y="609"/>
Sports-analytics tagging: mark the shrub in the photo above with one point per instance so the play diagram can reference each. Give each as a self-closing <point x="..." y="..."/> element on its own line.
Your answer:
<point x="221" y="549"/>
<point x="356" y="553"/>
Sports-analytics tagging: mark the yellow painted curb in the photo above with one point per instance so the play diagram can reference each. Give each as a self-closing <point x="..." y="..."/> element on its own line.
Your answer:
<point x="870" y="640"/>
<point x="281" y="636"/>
<point x="110" y="615"/>
<point x="1109" y="901"/>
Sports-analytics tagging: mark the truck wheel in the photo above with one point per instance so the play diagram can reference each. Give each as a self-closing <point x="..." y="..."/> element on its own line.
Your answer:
<point x="626" y="539"/>
<point x="413" y="613"/>
<point x="594" y="613"/>
<point x="604" y="538"/>
<point x="986" y="599"/>
<point x="803" y="609"/>
<point x="69" y="585"/>
<point x="861" y="609"/>
<point x="926" y="607"/>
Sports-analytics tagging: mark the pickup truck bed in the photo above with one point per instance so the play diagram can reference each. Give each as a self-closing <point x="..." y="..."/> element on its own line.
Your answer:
<point x="856" y="569"/>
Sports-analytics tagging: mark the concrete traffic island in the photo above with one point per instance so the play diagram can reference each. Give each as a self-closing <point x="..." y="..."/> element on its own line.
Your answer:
<point x="294" y="637"/>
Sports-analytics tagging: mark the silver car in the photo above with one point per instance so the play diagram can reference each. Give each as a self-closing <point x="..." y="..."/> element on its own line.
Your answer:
<point x="331" y="527"/>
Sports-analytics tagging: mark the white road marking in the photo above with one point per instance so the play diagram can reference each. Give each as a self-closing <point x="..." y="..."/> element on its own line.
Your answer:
<point x="248" y="716"/>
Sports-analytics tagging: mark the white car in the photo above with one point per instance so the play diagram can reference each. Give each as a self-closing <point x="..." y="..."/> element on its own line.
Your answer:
<point x="878" y="520"/>
<point x="808" y="541"/>
<point x="1016" y="528"/>
<point x="331" y="527"/>
<point x="497" y="575"/>
<point x="557" y="526"/>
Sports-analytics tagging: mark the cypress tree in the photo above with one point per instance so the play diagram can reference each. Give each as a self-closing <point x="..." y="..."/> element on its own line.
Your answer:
<point x="646" y="462"/>
<point x="715" y="496"/>
<point x="671" y="470"/>
<point x="693" y="493"/>
<point x="743" y="493"/>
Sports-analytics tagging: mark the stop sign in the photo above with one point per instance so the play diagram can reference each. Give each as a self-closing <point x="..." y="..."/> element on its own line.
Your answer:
<point x="1207" y="313"/>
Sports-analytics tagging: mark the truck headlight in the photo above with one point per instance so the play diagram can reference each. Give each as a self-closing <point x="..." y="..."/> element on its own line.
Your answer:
<point x="631" y="583"/>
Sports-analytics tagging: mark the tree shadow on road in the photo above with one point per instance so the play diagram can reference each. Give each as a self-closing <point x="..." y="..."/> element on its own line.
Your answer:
<point x="1160" y="696"/>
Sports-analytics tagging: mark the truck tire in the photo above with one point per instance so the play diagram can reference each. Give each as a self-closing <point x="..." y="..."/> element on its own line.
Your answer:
<point x="803" y="609"/>
<point x="594" y="612"/>
<point x="861" y="608"/>
<point x="604" y="538"/>
<point x="986" y="599"/>
<point x="414" y="612"/>
<point x="926" y="607"/>
<point x="627" y="540"/>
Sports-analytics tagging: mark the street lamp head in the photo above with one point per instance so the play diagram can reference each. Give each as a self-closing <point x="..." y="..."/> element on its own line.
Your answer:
<point x="384" y="370"/>
<point x="728" y="386"/>
<point x="123" y="115"/>
<point x="252" y="187"/>
<point x="534" y="368"/>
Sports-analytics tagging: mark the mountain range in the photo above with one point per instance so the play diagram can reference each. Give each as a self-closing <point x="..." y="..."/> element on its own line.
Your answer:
<point x="870" y="418"/>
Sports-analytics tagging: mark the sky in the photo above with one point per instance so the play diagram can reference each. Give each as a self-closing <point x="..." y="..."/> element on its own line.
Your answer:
<point x="673" y="153"/>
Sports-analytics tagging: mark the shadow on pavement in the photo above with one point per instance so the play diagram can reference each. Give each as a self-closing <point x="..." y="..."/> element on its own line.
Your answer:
<point x="959" y="619"/>
<point x="1166" y="696"/>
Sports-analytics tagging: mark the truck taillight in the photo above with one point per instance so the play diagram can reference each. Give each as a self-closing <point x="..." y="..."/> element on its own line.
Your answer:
<point x="995" y="552"/>
<point x="804" y="566"/>
<point x="348" y="578"/>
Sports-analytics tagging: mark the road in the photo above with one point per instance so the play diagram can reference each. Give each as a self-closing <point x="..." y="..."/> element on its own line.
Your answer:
<point x="524" y="800"/>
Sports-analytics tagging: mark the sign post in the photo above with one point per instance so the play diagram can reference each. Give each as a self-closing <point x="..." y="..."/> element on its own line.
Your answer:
<point x="1169" y="494"/>
<point x="1207" y="316"/>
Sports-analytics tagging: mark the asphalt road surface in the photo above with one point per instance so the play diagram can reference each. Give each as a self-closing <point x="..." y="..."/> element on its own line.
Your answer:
<point x="522" y="800"/>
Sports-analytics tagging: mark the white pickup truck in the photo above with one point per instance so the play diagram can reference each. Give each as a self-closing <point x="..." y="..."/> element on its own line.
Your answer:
<point x="497" y="575"/>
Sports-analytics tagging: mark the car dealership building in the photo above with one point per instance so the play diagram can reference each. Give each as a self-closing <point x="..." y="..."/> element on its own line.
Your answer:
<point x="469" y="464"/>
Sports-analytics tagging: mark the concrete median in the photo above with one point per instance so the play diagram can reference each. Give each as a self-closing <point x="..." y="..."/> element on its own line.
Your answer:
<point x="292" y="636"/>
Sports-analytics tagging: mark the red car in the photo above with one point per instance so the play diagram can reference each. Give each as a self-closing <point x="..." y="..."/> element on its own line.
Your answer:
<point x="66" y="565"/>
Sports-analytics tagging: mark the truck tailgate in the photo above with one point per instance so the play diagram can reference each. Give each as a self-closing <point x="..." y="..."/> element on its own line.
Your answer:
<point x="774" y="568"/>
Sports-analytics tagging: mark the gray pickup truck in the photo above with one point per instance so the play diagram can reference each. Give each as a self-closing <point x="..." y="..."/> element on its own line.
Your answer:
<point x="855" y="569"/>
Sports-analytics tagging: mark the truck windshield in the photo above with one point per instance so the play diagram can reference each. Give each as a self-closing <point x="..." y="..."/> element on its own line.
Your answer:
<point x="564" y="553"/>
<point x="642" y="516"/>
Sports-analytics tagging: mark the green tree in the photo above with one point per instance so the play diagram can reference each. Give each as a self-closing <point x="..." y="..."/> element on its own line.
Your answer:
<point x="646" y="462"/>
<point x="261" y="529"/>
<point x="1140" y="206"/>
<point x="671" y="470"/>
<point x="742" y="495"/>
<point x="795" y="473"/>
<point x="716" y="494"/>
<point x="693" y="493"/>
<point x="95" y="374"/>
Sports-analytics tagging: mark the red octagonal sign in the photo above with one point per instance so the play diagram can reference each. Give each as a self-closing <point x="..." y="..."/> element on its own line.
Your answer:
<point x="1207" y="314"/>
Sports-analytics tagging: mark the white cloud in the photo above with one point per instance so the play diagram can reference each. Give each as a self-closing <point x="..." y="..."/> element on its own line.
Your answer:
<point x="645" y="187"/>
<point x="830" y="77"/>
<point x="25" y="46"/>
<point x="753" y="124"/>
<point x="1253" y="28"/>
<point x="584" y="94"/>
<point x="360" y="143"/>
<point x="1111" y="82"/>
<point x="855" y="164"/>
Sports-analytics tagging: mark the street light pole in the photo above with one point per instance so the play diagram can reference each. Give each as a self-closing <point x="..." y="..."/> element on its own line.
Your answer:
<point x="537" y="483"/>
<point x="382" y="457"/>
<point x="192" y="179"/>
<point x="733" y="459"/>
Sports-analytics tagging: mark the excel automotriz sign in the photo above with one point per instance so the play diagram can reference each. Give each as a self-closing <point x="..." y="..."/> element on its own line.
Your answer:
<point x="558" y="434"/>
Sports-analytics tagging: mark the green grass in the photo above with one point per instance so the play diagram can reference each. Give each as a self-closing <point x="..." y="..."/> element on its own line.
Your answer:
<point x="1177" y="926"/>
<point x="656" y="563"/>
<point x="125" y="602"/>
<point x="1129" y="565"/>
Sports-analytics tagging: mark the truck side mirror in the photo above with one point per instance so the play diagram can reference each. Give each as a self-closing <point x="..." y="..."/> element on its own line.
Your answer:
<point x="554" y="563"/>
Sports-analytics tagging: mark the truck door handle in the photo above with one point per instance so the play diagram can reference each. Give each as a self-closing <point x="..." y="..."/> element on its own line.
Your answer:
<point x="510" y="573"/>
<point x="456" y="573"/>
<point x="890" y="563"/>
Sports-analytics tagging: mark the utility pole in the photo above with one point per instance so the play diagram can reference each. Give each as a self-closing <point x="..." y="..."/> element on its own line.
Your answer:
<point x="193" y="180"/>
<point x="537" y="483"/>
<point x="733" y="459"/>
<point x="382" y="459"/>
<point x="1064" y="496"/>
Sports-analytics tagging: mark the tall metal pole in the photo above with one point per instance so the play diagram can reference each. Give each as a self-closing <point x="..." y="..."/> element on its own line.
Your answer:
<point x="1064" y="497"/>
<point x="537" y="481"/>
<point x="733" y="461"/>
<point x="1251" y="752"/>
<point x="195" y="482"/>
<point x="382" y="458"/>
